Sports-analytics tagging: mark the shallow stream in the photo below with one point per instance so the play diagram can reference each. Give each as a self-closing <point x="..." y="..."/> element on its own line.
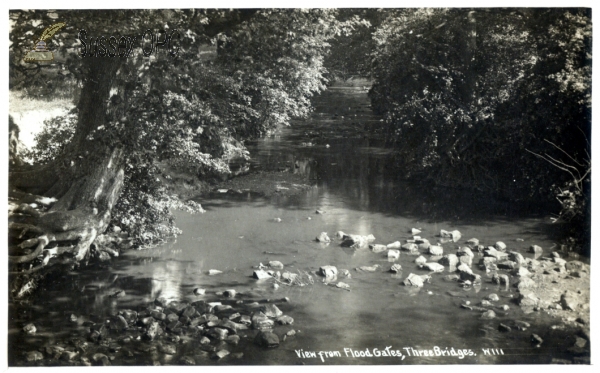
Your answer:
<point x="353" y="184"/>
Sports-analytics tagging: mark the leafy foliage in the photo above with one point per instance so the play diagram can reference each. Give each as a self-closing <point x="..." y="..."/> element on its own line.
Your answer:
<point x="237" y="74"/>
<point x="469" y="95"/>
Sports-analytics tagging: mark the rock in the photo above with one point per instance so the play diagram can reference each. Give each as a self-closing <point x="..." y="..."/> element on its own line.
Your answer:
<point x="204" y="341"/>
<point x="285" y="320"/>
<point x="468" y="260"/>
<point x="454" y="235"/>
<point x="517" y="257"/>
<point x="394" y="245"/>
<point x="267" y="339"/>
<point x="199" y="291"/>
<point x="260" y="274"/>
<point x="222" y="307"/>
<point x="465" y="251"/>
<point x="464" y="268"/>
<point x="261" y="322"/>
<point x="233" y="339"/>
<point x="355" y="241"/>
<point x="504" y="307"/>
<point x="129" y="315"/>
<point x="410" y="246"/>
<point x="470" y="278"/>
<point x="487" y="260"/>
<point x="158" y="315"/>
<point x="520" y="325"/>
<point x="526" y="283"/>
<point x="328" y="271"/>
<point x="491" y="251"/>
<point x="423" y="244"/>
<point x="500" y="246"/>
<point x="118" y="323"/>
<point x="452" y="277"/>
<point x="30" y="329"/>
<point x="528" y="298"/>
<point x="489" y="314"/>
<point x="271" y="310"/>
<point x="449" y="260"/>
<point x="289" y="277"/>
<point x="420" y="260"/>
<point x="393" y="254"/>
<point x="85" y="362"/>
<point x="521" y="272"/>
<point x="413" y="280"/>
<point x="434" y="267"/>
<point x="187" y="360"/>
<point x="486" y="303"/>
<point x="319" y="212"/>
<point x="378" y="248"/>
<point x="569" y="300"/>
<point x="161" y="302"/>
<point x="32" y="356"/>
<point x="220" y="354"/>
<point x="473" y="241"/>
<point x="396" y="268"/>
<point x="576" y="265"/>
<point x="276" y="264"/>
<point x="536" y="340"/>
<point x="340" y="235"/>
<point x="218" y="333"/>
<point x="536" y="249"/>
<point x="342" y="285"/>
<point x="152" y="331"/>
<point x="555" y="254"/>
<point x="229" y="293"/>
<point x="507" y="264"/>
<point x="213" y="272"/>
<point x="415" y="231"/>
<point x="323" y="237"/>
<point x="167" y="349"/>
<point x="372" y="268"/>
<point x="436" y="250"/>
<point x="560" y="261"/>
<point x="504" y="328"/>
<point x="101" y="359"/>
<point x="493" y="297"/>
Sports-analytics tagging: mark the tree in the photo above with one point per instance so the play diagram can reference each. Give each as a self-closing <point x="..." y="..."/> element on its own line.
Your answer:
<point x="140" y="114"/>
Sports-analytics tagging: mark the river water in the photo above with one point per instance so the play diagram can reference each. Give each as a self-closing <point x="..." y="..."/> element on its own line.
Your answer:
<point x="353" y="184"/>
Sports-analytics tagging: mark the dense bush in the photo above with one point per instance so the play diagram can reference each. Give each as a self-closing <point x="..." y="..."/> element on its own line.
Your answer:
<point x="497" y="100"/>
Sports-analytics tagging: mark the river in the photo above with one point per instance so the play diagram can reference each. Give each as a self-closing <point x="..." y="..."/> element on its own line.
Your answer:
<point x="353" y="184"/>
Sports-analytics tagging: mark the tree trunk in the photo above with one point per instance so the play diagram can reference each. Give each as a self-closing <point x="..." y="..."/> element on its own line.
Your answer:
<point x="74" y="195"/>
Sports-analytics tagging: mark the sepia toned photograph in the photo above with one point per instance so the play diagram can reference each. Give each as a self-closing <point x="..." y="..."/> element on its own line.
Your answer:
<point x="299" y="186"/>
